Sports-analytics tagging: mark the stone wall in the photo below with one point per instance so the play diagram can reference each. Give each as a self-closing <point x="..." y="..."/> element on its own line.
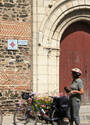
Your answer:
<point x="15" y="65"/>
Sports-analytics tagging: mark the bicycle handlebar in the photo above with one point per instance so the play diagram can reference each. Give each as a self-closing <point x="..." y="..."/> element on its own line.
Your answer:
<point x="31" y="95"/>
<point x="27" y="95"/>
<point x="53" y="97"/>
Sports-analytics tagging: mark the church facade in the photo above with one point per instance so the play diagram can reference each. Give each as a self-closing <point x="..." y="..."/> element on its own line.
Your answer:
<point x="41" y="40"/>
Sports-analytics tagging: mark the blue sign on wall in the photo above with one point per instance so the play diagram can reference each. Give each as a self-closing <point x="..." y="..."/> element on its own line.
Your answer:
<point x="23" y="42"/>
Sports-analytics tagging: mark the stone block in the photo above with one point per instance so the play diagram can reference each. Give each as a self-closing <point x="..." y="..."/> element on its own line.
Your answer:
<point x="75" y="2"/>
<point x="81" y="2"/>
<point x="87" y="2"/>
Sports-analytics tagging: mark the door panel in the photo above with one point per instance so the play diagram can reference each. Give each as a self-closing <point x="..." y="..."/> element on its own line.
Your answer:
<point x="75" y="52"/>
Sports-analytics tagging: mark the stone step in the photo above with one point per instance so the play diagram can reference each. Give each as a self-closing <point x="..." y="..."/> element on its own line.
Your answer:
<point x="85" y="116"/>
<point x="85" y="113"/>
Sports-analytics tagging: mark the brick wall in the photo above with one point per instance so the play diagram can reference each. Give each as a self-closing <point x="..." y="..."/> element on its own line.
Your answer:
<point x="15" y="65"/>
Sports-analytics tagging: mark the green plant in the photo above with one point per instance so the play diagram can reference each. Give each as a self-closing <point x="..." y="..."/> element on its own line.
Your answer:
<point x="42" y="102"/>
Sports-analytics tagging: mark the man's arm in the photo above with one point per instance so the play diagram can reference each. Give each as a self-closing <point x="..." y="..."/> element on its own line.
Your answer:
<point x="81" y="91"/>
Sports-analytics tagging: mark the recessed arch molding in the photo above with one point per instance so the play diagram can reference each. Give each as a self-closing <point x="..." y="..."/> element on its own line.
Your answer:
<point x="54" y="26"/>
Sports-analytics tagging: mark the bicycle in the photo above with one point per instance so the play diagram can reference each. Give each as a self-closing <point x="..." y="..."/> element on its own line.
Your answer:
<point x="34" y="114"/>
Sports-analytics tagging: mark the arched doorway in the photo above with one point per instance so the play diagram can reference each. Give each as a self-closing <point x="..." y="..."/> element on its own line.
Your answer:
<point x="75" y="52"/>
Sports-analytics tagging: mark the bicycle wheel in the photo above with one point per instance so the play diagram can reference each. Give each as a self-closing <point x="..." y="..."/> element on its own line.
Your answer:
<point x="57" y="121"/>
<point x="31" y="118"/>
<point x="20" y="117"/>
<point x="1" y="118"/>
<point x="39" y="121"/>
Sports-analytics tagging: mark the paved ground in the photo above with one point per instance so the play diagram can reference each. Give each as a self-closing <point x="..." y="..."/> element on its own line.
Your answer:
<point x="8" y="120"/>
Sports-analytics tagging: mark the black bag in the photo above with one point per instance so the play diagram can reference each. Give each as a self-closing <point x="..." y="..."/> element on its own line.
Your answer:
<point x="66" y="89"/>
<point x="62" y="103"/>
<point x="25" y="95"/>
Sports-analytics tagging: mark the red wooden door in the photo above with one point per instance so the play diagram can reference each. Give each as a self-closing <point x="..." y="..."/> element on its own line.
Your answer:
<point x="75" y="52"/>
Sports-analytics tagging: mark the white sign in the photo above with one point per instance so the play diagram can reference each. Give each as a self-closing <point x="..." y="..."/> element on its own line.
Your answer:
<point x="23" y="42"/>
<point x="12" y="45"/>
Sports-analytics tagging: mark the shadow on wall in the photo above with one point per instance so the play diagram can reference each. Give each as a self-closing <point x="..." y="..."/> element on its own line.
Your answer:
<point x="76" y="27"/>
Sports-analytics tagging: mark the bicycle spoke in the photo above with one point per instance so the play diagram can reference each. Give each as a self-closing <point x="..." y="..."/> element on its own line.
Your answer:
<point x="31" y="119"/>
<point x="39" y="121"/>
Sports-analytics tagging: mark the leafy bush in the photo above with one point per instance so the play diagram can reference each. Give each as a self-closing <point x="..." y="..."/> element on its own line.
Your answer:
<point x="43" y="100"/>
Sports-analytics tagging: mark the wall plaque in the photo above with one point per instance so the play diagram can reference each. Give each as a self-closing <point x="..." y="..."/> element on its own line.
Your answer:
<point x="12" y="45"/>
<point x="23" y="42"/>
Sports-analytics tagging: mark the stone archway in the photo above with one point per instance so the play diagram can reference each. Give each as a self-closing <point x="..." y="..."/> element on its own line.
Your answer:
<point x="60" y="17"/>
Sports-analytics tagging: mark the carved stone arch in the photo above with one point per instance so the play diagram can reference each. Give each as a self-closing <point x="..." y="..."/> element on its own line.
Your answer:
<point x="56" y="23"/>
<point x="82" y="15"/>
<point x="53" y="9"/>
